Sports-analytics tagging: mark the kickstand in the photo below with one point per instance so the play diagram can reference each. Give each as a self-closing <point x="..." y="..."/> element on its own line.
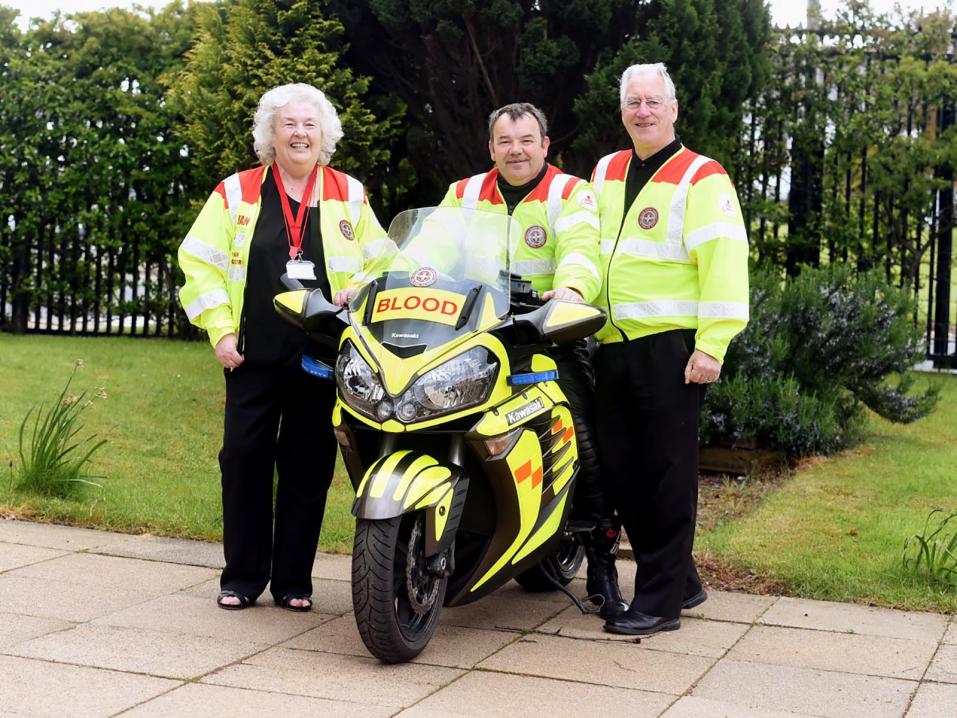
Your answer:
<point x="573" y="598"/>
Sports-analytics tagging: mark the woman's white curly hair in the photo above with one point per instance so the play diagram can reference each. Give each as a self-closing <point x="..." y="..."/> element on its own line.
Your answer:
<point x="263" y="121"/>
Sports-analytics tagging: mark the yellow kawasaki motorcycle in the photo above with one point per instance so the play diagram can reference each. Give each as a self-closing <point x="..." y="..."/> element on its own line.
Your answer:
<point x="456" y="437"/>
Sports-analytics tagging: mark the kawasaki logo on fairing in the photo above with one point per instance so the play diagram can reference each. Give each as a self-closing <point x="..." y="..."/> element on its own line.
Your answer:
<point x="513" y="417"/>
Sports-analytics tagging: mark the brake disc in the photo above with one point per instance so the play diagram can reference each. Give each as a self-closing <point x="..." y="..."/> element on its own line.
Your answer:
<point x="421" y="586"/>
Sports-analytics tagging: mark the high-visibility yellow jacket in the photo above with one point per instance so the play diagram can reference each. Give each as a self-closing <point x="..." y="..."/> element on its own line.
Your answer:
<point x="215" y="254"/>
<point x="678" y="259"/>
<point x="558" y="242"/>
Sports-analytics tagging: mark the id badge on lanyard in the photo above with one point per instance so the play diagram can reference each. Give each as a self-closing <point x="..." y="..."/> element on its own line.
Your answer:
<point x="297" y="267"/>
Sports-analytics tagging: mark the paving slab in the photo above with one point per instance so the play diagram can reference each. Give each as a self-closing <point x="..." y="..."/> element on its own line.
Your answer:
<point x="626" y="665"/>
<point x="500" y="695"/>
<point x="101" y="573"/>
<point x="735" y="607"/>
<point x="692" y="707"/>
<point x="13" y="555"/>
<point x="135" y="650"/>
<point x="934" y="700"/>
<point x="951" y="635"/>
<point x="944" y="666"/>
<point x="452" y="646"/>
<point x="760" y="686"/>
<point x="64" y="600"/>
<point x="15" y="628"/>
<point x="192" y="615"/>
<point x="829" y="651"/>
<point x="67" y="538"/>
<point x="335" y="676"/>
<point x="162" y="548"/>
<point x="203" y="701"/>
<point x="852" y="618"/>
<point x="696" y="637"/>
<point x="333" y="565"/>
<point x="509" y="608"/>
<point x="39" y="688"/>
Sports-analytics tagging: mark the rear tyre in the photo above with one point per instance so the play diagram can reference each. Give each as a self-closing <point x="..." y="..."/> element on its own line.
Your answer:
<point x="396" y="600"/>
<point x="560" y="567"/>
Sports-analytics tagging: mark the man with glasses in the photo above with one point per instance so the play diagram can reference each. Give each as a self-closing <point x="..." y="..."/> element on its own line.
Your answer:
<point x="557" y="251"/>
<point x="674" y="256"/>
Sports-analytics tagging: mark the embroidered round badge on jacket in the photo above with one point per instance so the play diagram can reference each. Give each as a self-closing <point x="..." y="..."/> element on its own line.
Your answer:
<point x="648" y="218"/>
<point x="346" y="229"/>
<point x="535" y="236"/>
<point x="423" y="277"/>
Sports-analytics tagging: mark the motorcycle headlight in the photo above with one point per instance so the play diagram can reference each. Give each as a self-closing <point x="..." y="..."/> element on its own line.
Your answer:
<point x="459" y="383"/>
<point x="358" y="383"/>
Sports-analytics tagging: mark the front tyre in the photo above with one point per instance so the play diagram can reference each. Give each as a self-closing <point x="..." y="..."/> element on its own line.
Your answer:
<point x="558" y="568"/>
<point x="395" y="598"/>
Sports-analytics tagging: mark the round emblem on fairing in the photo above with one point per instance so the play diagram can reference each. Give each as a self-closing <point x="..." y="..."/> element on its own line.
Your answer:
<point x="535" y="236"/>
<point x="648" y="218"/>
<point x="423" y="277"/>
<point x="346" y="229"/>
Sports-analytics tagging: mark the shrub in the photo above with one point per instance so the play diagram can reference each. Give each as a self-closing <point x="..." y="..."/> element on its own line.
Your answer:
<point x="54" y="462"/>
<point x="817" y="350"/>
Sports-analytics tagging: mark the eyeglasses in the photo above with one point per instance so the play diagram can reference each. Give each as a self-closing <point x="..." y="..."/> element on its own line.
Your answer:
<point x="652" y="103"/>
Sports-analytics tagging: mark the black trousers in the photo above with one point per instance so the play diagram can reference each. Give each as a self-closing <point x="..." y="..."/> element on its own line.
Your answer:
<point x="592" y="500"/>
<point x="648" y="446"/>
<point x="277" y="420"/>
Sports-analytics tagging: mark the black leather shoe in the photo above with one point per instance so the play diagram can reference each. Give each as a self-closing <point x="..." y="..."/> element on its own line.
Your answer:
<point x="636" y="623"/>
<point x="696" y="600"/>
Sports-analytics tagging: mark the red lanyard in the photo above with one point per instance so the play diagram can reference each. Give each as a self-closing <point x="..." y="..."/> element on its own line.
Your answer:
<point x="296" y="227"/>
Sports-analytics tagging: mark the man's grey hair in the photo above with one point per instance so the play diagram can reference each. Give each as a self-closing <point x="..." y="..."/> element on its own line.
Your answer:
<point x="515" y="111"/>
<point x="272" y="101"/>
<point x="652" y="68"/>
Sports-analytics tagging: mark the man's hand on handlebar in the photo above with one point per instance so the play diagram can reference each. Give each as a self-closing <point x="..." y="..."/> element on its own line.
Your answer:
<point x="344" y="296"/>
<point x="566" y="294"/>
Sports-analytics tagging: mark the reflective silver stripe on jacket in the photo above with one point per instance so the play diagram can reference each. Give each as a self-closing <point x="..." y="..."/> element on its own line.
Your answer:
<point x="356" y="196"/>
<point x="726" y="230"/>
<point x="234" y="195"/>
<point x="676" y="214"/>
<point x="203" y="252"/>
<point x="554" y="202"/>
<point x="533" y="266"/>
<point x="579" y="259"/>
<point x="344" y="264"/>
<point x="648" y="248"/>
<point x="663" y="308"/>
<point x="601" y="169"/>
<point x="210" y="299"/>
<point x="236" y="273"/>
<point x="582" y="217"/>
<point x="724" y="310"/>
<point x="378" y="247"/>
<point x="472" y="190"/>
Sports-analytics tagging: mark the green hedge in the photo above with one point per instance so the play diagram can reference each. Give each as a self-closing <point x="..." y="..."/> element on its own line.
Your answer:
<point x="818" y="349"/>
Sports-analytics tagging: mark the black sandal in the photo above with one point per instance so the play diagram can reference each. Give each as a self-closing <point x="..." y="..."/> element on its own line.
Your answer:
<point x="244" y="601"/>
<point x="286" y="602"/>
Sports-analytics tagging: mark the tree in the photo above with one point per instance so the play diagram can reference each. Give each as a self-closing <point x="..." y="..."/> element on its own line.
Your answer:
<point x="454" y="61"/>
<point x="246" y="47"/>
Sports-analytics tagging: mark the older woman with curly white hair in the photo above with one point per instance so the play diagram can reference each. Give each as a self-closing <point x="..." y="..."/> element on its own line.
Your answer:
<point x="292" y="215"/>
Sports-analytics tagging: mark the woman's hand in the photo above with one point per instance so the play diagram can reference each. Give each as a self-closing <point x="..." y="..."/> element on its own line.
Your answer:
<point x="702" y="368"/>
<point x="227" y="353"/>
<point x="344" y="296"/>
<point x="566" y="294"/>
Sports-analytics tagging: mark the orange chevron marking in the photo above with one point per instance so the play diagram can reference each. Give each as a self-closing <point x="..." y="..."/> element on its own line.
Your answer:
<point x="557" y="426"/>
<point x="523" y="472"/>
<point x="569" y="433"/>
<point x="537" y="477"/>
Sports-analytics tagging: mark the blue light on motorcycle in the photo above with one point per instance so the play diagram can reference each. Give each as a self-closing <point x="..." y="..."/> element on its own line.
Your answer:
<point x="317" y="368"/>
<point x="532" y="377"/>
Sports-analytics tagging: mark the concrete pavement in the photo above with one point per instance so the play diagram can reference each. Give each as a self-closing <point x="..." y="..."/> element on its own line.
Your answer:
<point x="103" y="624"/>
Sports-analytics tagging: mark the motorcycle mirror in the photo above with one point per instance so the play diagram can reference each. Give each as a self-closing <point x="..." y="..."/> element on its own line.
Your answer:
<point x="310" y="310"/>
<point x="562" y="322"/>
<point x="290" y="283"/>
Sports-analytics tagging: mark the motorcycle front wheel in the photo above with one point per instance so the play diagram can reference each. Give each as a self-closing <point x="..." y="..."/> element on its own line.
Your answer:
<point x="396" y="600"/>
<point x="560" y="567"/>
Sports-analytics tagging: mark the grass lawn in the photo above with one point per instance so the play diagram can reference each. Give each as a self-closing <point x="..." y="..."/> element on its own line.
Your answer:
<point x="163" y="419"/>
<point x="834" y="529"/>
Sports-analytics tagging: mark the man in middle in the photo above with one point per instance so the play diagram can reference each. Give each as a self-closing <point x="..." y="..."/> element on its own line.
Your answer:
<point x="558" y="253"/>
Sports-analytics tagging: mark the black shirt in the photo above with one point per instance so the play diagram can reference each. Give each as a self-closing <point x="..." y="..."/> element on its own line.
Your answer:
<point x="513" y="195"/>
<point x="265" y="337"/>
<point x="640" y="171"/>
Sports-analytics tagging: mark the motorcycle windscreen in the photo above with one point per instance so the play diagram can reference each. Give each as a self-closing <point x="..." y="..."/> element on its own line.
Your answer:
<point x="448" y="277"/>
